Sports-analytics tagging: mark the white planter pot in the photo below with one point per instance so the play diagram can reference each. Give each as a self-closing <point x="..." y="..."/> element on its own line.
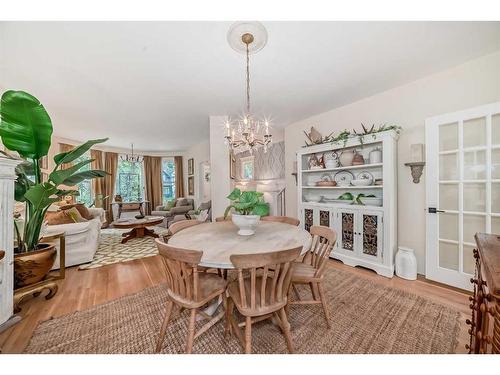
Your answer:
<point x="246" y="223"/>
<point x="406" y="264"/>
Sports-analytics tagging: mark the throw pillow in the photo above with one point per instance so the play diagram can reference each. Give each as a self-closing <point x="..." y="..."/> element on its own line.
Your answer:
<point x="75" y="215"/>
<point x="169" y="205"/>
<point x="82" y="209"/>
<point x="181" y="202"/>
<point x="57" y="218"/>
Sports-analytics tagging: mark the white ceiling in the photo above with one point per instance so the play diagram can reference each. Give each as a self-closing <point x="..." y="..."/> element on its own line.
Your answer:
<point x="156" y="83"/>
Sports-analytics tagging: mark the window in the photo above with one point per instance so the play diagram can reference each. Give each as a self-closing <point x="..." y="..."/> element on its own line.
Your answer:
<point x="84" y="187"/>
<point x="168" y="179"/>
<point x="247" y="168"/>
<point x="130" y="181"/>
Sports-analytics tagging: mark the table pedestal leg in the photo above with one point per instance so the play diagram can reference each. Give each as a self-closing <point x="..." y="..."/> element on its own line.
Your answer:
<point x="138" y="233"/>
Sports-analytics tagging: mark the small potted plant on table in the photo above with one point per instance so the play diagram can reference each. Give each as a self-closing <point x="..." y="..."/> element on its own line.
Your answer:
<point x="249" y="206"/>
<point x="26" y="128"/>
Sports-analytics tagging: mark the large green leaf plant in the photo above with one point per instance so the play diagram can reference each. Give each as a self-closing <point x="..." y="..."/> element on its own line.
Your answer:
<point x="26" y="128"/>
<point x="247" y="203"/>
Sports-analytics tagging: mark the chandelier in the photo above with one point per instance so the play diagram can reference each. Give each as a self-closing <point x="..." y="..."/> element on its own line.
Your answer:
<point x="248" y="132"/>
<point x="132" y="158"/>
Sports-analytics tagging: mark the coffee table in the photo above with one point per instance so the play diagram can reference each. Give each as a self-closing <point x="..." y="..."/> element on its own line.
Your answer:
<point x="138" y="227"/>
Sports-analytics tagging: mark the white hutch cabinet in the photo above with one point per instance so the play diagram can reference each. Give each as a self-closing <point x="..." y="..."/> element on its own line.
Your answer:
<point x="366" y="233"/>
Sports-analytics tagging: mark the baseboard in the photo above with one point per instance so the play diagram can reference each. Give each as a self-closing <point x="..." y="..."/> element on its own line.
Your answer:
<point x="13" y="320"/>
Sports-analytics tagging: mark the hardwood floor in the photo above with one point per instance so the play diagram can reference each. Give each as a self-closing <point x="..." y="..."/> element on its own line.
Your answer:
<point x="83" y="289"/>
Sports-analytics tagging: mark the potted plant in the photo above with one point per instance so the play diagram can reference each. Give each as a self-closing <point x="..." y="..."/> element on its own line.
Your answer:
<point x="249" y="207"/>
<point x="26" y="128"/>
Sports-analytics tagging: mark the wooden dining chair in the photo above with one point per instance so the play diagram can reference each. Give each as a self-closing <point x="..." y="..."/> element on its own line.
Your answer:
<point x="178" y="226"/>
<point x="310" y="270"/>
<point x="260" y="295"/>
<point x="281" y="219"/>
<point x="189" y="289"/>
<point x="222" y="218"/>
<point x="183" y="224"/>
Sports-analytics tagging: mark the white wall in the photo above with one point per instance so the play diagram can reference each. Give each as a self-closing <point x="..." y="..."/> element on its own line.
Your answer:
<point x="200" y="153"/>
<point x="471" y="84"/>
<point x="219" y="163"/>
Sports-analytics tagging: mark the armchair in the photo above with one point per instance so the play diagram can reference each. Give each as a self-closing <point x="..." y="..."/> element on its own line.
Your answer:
<point x="181" y="206"/>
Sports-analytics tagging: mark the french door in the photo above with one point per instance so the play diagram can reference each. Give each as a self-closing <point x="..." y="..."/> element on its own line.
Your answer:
<point x="463" y="189"/>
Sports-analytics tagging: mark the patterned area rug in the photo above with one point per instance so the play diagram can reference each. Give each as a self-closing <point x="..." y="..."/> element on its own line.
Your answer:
<point x="366" y="318"/>
<point x="111" y="250"/>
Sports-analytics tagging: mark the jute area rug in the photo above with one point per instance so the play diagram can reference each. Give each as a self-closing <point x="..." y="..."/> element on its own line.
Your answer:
<point x="111" y="250"/>
<point x="366" y="318"/>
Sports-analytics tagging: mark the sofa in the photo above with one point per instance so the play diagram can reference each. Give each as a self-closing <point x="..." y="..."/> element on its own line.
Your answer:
<point x="82" y="239"/>
<point x="179" y="206"/>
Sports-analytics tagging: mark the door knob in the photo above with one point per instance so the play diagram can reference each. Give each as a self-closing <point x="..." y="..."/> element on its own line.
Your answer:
<point x="434" y="210"/>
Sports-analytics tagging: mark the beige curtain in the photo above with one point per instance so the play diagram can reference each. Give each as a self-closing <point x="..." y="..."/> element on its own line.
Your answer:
<point x="63" y="147"/>
<point x="152" y="180"/>
<point x="97" y="183"/>
<point x="110" y="166"/>
<point x="179" y="177"/>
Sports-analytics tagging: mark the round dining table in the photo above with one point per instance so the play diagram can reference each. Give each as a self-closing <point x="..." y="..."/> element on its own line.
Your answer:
<point x="220" y="240"/>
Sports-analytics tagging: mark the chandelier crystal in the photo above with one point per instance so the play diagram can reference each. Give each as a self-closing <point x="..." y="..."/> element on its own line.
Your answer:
<point x="132" y="158"/>
<point x="248" y="132"/>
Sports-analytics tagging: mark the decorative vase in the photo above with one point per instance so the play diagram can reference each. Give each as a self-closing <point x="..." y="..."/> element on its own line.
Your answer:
<point x="375" y="156"/>
<point x="32" y="267"/>
<point x="358" y="159"/>
<point x="246" y="223"/>
<point x="346" y="157"/>
<point x="406" y="263"/>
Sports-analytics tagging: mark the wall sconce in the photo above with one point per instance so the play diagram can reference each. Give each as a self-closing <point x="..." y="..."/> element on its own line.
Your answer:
<point x="417" y="162"/>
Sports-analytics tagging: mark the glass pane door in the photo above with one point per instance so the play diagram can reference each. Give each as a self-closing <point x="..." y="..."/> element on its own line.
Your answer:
<point x="464" y="186"/>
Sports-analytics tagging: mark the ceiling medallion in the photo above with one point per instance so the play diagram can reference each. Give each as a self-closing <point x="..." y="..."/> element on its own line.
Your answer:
<point x="248" y="132"/>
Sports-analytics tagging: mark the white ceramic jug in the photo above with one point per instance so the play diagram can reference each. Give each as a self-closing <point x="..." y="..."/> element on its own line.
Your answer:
<point x="346" y="157"/>
<point x="375" y="156"/>
<point x="406" y="263"/>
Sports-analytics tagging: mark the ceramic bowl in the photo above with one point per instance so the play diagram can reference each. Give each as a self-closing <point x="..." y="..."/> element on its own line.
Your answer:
<point x="313" y="199"/>
<point x="326" y="183"/>
<point x="371" y="201"/>
<point x="362" y="182"/>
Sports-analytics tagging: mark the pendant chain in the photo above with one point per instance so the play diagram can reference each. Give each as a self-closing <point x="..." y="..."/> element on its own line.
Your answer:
<point x="248" y="82"/>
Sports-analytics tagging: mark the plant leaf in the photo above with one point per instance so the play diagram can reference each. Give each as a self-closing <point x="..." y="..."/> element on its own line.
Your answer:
<point x="40" y="196"/>
<point x="58" y="176"/>
<point x="235" y="194"/>
<point x="228" y="208"/>
<point x="25" y="124"/>
<point x="68" y="157"/>
<point x="62" y="193"/>
<point x="249" y="197"/>
<point x="261" y="209"/>
<point x="79" y="177"/>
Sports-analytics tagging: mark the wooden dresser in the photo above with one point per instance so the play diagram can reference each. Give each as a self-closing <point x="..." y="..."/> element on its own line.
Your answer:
<point x="485" y="303"/>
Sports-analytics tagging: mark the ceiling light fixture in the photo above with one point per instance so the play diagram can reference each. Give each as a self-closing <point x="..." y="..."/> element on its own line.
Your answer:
<point x="132" y="158"/>
<point x="248" y="132"/>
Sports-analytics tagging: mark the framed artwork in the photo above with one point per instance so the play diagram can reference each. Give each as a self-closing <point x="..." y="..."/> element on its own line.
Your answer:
<point x="232" y="166"/>
<point x="191" y="185"/>
<point x="190" y="166"/>
<point x="247" y="168"/>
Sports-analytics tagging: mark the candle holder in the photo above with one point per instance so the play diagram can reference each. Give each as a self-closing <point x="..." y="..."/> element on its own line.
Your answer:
<point x="416" y="170"/>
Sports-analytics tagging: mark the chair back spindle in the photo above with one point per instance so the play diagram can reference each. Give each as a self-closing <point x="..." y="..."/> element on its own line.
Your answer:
<point x="264" y="288"/>
<point x="181" y="267"/>
<point x="322" y="244"/>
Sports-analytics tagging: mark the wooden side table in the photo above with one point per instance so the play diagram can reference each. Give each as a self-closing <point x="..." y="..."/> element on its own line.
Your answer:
<point x="50" y="281"/>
